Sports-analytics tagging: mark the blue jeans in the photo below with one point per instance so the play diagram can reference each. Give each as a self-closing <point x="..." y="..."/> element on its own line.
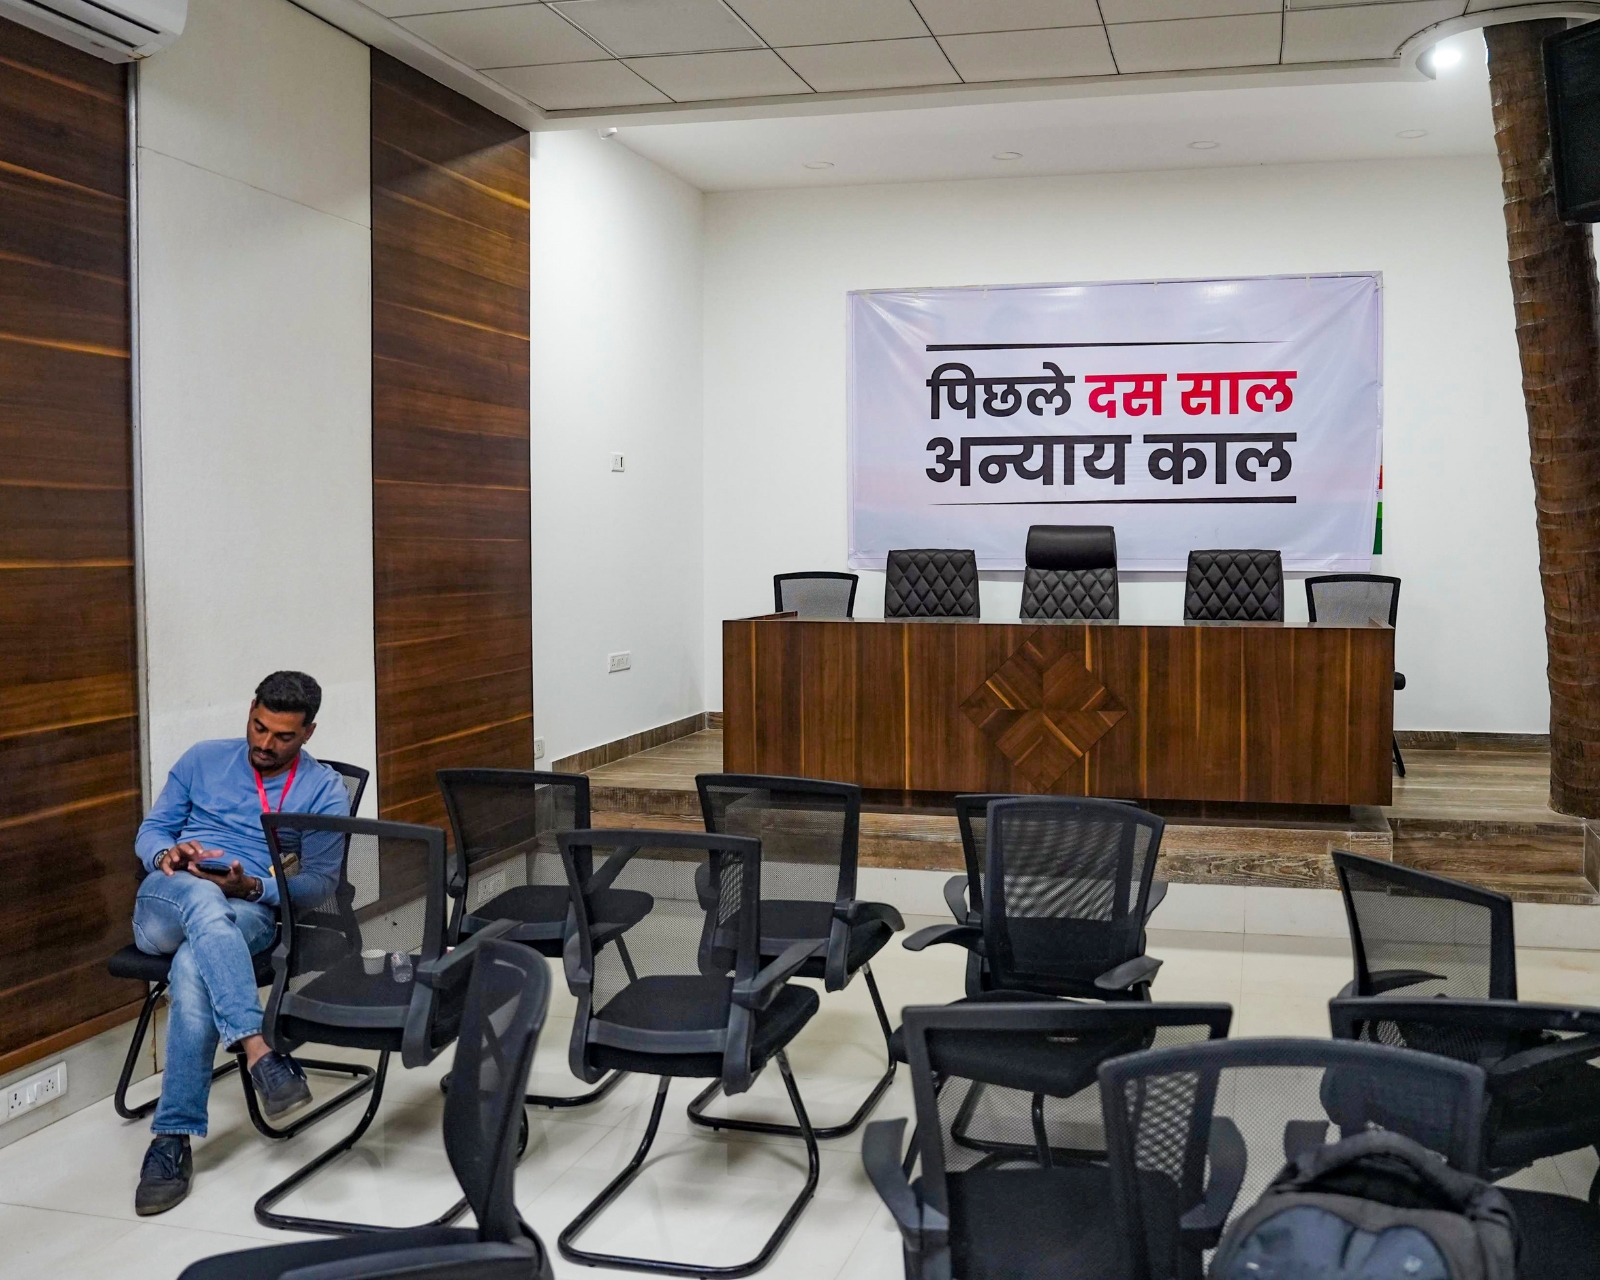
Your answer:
<point x="212" y="989"/>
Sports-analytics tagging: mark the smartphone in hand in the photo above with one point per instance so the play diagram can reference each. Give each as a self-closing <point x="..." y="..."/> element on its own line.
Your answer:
<point x="214" y="867"/>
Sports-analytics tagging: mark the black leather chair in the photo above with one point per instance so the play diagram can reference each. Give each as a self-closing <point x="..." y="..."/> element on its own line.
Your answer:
<point x="820" y="594"/>
<point x="1071" y="573"/>
<point x="1234" y="586"/>
<point x="154" y="971"/>
<point x="931" y="584"/>
<point x="508" y="994"/>
<point x="1351" y="598"/>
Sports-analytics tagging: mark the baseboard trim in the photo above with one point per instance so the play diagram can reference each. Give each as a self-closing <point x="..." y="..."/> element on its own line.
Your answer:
<point x="609" y="752"/>
<point x="1451" y="740"/>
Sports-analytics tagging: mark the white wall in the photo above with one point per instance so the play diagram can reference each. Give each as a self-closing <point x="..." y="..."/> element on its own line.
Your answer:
<point x="256" y="375"/>
<point x="617" y="365"/>
<point x="1458" y="510"/>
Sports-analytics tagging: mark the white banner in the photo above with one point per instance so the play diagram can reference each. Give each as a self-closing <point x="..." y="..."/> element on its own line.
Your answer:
<point x="1188" y="414"/>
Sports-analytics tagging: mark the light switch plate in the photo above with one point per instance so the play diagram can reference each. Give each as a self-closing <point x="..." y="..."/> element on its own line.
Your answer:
<point x="620" y="661"/>
<point x="616" y="462"/>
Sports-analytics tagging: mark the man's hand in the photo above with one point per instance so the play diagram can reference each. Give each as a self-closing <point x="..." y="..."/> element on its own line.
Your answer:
<point x="181" y="856"/>
<point x="236" y="884"/>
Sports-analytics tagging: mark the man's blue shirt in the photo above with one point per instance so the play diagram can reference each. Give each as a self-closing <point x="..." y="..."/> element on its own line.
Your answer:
<point x="211" y="797"/>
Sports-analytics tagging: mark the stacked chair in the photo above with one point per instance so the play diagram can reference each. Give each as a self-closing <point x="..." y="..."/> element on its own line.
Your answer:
<point x="501" y="1017"/>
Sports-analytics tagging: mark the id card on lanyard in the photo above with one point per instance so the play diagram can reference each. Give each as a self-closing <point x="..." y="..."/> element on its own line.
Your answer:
<point x="291" y="860"/>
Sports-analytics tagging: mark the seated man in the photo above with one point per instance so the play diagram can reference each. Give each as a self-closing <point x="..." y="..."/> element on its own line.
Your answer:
<point x="210" y="902"/>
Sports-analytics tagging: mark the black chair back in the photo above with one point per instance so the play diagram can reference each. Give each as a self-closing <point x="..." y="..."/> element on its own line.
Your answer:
<point x="818" y="594"/>
<point x="1234" y="586"/>
<point x="1350" y="599"/>
<point x="1196" y="1133"/>
<point x="1065" y="891"/>
<point x="931" y="583"/>
<point x="355" y="782"/>
<point x="1071" y="572"/>
<point x="1425" y="935"/>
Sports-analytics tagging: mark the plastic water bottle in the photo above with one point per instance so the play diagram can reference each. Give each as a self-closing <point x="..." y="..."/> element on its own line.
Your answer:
<point x="400" y="966"/>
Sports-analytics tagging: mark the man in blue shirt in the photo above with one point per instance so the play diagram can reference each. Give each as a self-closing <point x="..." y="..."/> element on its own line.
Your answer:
<point x="210" y="901"/>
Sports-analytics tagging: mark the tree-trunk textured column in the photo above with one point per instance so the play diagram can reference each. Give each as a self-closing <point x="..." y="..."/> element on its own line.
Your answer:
<point x="1553" y="286"/>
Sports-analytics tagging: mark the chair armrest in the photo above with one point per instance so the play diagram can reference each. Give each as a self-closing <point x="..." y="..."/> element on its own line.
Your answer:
<point x="880" y="1154"/>
<point x="1158" y="895"/>
<point x="969" y="936"/>
<point x="484" y="1260"/>
<point x="448" y="968"/>
<point x="854" y="912"/>
<point x="1575" y="1049"/>
<point x="1201" y="1227"/>
<point x="1130" y="973"/>
<point x="1393" y="979"/>
<point x="1399" y="680"/>
<point x="759" y="991"/>
<point x="955" y="897"/>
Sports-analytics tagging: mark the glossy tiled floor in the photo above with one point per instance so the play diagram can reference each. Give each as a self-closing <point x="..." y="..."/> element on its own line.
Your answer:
<point x="66" y="1193"/>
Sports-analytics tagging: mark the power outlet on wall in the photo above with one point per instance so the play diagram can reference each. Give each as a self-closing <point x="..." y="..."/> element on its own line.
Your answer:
<point x="616" y="462"/>
<point x="620" y="661"/>
<point x="36" y="1091"/>
<point x="538" y="748"/>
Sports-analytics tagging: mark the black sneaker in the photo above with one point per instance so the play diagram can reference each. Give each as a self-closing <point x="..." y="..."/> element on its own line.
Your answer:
<point x="280" y="1084"/>
<point x="165" y="1176"/>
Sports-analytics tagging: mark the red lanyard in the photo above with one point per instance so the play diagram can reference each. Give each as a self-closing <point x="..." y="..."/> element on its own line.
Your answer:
<point x="261" y="787"/>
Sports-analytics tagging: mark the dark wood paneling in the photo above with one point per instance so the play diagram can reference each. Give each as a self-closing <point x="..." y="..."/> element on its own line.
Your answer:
<point x="1257" y="713"/>
<point x="69" y="741"/>
<point x="452" y="560"/>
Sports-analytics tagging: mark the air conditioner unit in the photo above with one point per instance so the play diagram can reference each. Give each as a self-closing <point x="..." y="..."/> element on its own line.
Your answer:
<point x="116" y="30"/>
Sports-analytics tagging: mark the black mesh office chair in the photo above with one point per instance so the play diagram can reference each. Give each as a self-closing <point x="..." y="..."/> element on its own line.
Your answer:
<point x="1010" y="1134"/>
<point x="1419" y="934"/>
<point x="1349" y="599"/>
<point x="1071" y="572"/>
<point x="809" y="833"/>
<point x="1543" y="1091"/>
<point x="504" y="1010"/>
<point x="1197" y="1132"/>
<point x="820" y="594"/>
<point x="931" y="584"/>
<point x="687" y="998"/>
<point x="1234" y="586"/>
<point x="386" y="894"/>
<point x="154" y="971"/>
<point x="508" y="866"/>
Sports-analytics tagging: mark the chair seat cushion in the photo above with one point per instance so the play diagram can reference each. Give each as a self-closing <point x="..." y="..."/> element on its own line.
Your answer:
<point x="897" y="1041"/>
<point x="272" y="1261"/>
<point x="541" y="910"/>
<point x="1560" y="1234"/>
<point x="670" y="1002"/>
<point x="785" y="921"/>
<point x="1563" y="1116"/>
<point x="140" y="966"/>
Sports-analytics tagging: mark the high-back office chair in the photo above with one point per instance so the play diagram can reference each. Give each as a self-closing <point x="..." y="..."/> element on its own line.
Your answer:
<point x="1065" y="895"/>
<point x="1418" y="935"/>
<point x="507" y="997"/>
<point x="688" y="997"/>
<point x="818" y="594"/>
<point x="1071" y="571"/>
<point x="809" y="833"/>
<point x="508" y="866"/>
<point x="931" y="583"/>
<point x="1349" y="599"/>
<point x="1011" y="1136"/>
<point x="1234" y="586"/>
<point x="1543" y="1092"/>
<point x="155" y="971"/>
<point x="387" y="895"/>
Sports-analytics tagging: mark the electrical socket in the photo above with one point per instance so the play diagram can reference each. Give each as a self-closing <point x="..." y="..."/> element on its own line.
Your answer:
<point x="616" y="462"/>
<point x="620" y="661"/>
<point x="491" y="886"/>
<point x="538" y="748"/>
<point x="36" y="1091"/>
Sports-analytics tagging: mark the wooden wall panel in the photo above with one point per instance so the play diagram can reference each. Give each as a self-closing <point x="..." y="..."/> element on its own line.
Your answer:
<point x="452" y="560"/>
<point x="69" y="734"/>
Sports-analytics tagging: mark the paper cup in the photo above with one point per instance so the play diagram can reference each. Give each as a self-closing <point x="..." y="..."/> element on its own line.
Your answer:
<point x="372" y="959"/>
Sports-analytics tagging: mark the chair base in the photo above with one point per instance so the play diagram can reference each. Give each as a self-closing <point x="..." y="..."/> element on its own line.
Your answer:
<point x="1399" y="760"/>
<point x="697" y="1106"/>
<point x="553" y="1103"/>
<point x="620" y="1183"/>
<point x="329" y="1226"/>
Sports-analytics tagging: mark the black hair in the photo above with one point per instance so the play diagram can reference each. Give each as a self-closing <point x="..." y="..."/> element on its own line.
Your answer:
<point x="291" y="691"/>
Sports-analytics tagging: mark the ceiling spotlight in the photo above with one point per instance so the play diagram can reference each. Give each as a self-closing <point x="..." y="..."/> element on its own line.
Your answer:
<point x="819" y="164"/>
<point x="1410" y="134"/>
<point x="1443" y="57"/>
<point x="1204" y="146"/>
<point x="1008" y="155"/>
<point x="607" y="134"/>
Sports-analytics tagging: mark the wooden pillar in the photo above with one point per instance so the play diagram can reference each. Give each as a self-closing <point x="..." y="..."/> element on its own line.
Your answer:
<point x="1553" y="286"/>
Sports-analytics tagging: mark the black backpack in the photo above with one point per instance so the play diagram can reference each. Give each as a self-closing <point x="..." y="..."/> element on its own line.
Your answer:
<point x="1376" y="1206"/>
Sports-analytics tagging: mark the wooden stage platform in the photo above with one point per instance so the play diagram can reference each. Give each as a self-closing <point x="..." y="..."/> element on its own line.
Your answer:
<point x="1478" y="815"/>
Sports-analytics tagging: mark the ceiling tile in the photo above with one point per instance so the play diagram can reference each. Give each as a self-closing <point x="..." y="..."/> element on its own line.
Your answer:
<point x="405" y="8"/>
<point x="871" y="64"/>
<point x="783" y="22"/>
<point x="1030" y="55"/>
<point x="1162" y="10"/>
<point x="1196" y="42"/>
<point x="630" y="28"/>
<point x="949" y="17"/>
<point x="1364" y="31"/>
<point x="570" y="86"/>
<point x="505" y="37"/>
<point x="699" y="77"/>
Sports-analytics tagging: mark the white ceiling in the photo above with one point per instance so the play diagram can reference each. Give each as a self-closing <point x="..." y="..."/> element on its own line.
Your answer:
<point x="1127" y="132"/>
<point x="583" y="58"/>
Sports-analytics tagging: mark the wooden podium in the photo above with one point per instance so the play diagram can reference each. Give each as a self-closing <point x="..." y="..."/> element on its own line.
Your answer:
<point x="1256" y="712"/>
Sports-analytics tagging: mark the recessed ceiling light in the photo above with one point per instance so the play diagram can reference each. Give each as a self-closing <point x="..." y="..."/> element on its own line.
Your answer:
<point x="1204" y="146"/>
<point x="1443" y="57"/>
<point x="1008" y="155"/>
<point x="1409" y="134"/>
<point x="819" y="164"/>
